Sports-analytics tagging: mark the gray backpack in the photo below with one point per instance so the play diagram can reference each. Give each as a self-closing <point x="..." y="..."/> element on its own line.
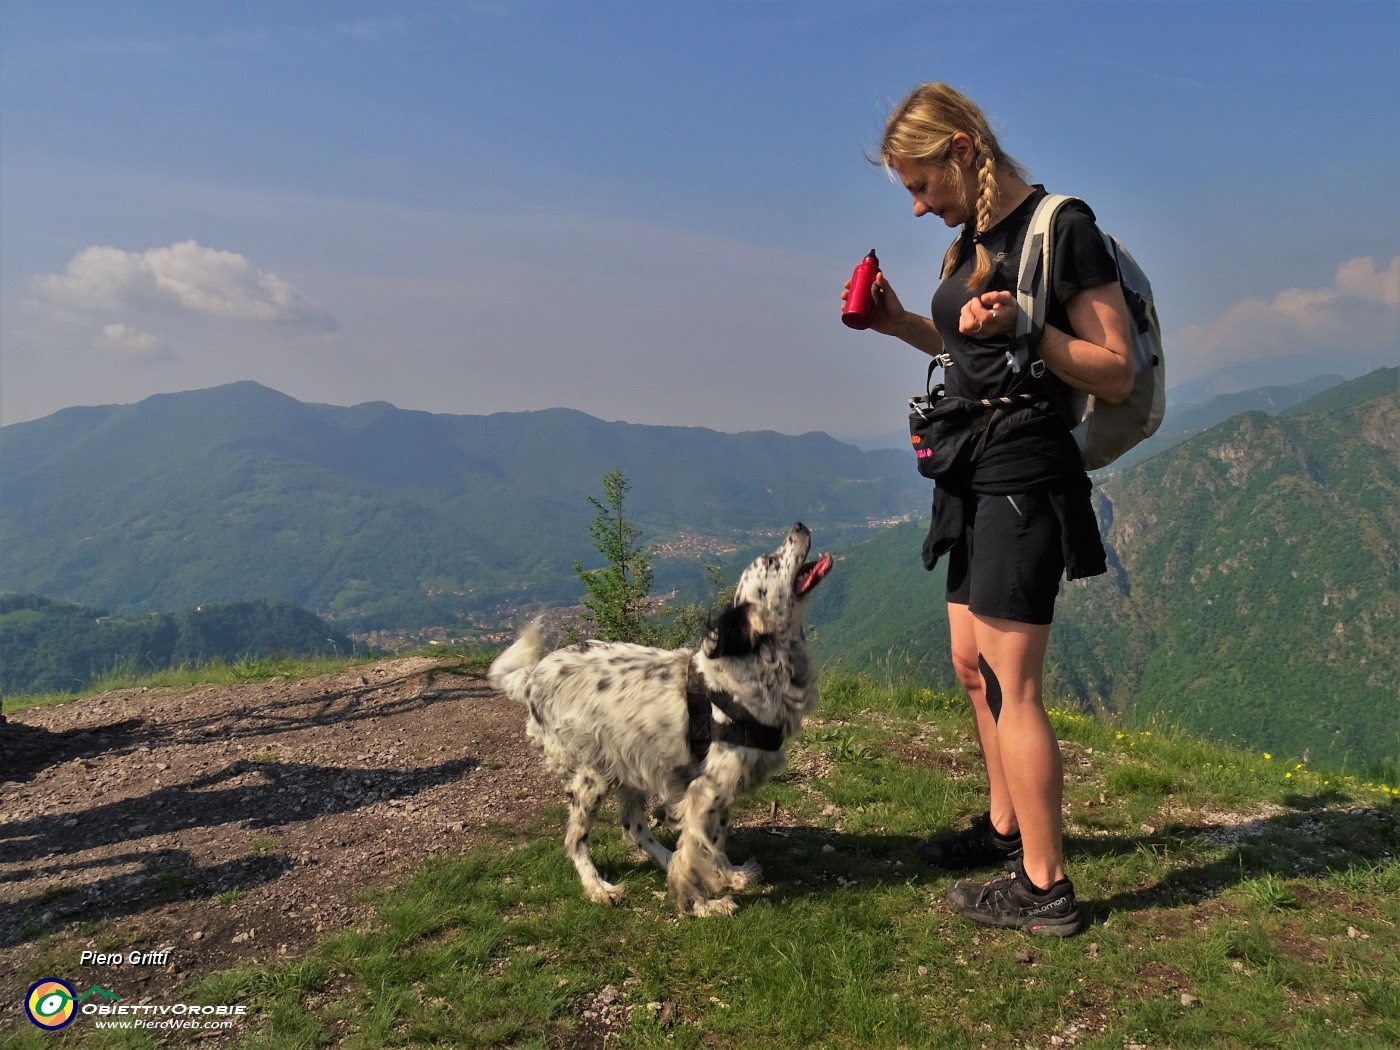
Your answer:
<point x="1102" y="431"/>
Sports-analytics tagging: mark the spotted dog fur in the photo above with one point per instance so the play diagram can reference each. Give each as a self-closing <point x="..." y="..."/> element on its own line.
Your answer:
<point x="611" y="716"/>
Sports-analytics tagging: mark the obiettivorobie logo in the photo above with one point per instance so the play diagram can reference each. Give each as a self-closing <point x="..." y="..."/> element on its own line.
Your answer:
<point x="52" y="1004"/>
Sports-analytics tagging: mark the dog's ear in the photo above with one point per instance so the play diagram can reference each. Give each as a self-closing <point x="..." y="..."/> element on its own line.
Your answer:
<point x="737" y="632"/>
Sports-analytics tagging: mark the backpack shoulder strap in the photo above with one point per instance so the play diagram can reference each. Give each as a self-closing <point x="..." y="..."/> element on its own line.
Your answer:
<point x="1032" y="281"/>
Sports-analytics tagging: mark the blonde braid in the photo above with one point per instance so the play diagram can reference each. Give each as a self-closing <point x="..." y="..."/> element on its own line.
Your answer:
<point x="987" y="194"/>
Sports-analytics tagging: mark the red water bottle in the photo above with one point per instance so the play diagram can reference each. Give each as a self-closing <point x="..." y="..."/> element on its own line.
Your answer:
<point x="860" y="300"/>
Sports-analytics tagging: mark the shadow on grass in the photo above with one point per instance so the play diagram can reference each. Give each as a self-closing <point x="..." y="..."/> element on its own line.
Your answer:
<point x="1309" y="842"/>
<point x="1205" y="859"/>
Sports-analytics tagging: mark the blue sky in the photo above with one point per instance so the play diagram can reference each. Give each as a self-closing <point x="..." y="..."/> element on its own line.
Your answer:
<point x="646" y="210"/>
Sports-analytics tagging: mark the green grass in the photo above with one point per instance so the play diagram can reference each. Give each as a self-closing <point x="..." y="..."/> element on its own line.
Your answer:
<point x="215" y="672"/>
<point x="243" y="672"/>
<point x="1235" y="900"/>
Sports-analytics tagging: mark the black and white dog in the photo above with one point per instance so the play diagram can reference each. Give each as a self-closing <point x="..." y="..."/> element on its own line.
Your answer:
<point x="692" y="729"/>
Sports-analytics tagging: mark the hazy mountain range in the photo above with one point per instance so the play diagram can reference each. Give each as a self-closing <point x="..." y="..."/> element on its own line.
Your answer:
<point x="379" y="517"/>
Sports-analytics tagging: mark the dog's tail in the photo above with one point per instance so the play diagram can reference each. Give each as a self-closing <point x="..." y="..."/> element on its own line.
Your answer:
<point x="512" y="668"/>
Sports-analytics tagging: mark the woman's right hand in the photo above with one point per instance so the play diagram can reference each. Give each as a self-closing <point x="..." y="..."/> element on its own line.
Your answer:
<point x="886" y="310"/>
<point x="889" y="317"/>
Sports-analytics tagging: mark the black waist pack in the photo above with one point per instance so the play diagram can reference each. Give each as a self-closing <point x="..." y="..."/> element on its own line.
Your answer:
<point x="943" y="428"/>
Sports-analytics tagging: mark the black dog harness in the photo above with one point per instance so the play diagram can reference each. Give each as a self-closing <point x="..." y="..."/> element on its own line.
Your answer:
<point x="741" y="730"/>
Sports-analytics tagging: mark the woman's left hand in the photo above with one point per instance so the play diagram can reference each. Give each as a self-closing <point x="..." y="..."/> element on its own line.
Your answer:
<point x="990" y="315"/>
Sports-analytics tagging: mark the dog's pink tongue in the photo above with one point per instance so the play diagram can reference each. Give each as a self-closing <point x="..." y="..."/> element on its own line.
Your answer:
<point x="812" y="573"/>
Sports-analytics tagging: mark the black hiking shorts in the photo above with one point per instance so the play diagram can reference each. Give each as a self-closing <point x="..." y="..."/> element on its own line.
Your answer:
<point x="1010" y="559"/>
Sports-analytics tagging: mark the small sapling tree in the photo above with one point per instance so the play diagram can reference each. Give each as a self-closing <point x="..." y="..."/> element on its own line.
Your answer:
<point x="616" y="602"/>
<point x="616" y="599"/>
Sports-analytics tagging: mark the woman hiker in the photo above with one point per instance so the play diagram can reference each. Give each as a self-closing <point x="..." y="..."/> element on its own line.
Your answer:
<point x="1018" y="516"/>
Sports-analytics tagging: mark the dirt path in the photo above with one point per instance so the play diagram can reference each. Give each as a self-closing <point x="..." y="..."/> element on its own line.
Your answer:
<point x="231" y="824"/>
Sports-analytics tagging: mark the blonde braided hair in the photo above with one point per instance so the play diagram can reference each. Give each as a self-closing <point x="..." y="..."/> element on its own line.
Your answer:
<point x="921" y="128"/>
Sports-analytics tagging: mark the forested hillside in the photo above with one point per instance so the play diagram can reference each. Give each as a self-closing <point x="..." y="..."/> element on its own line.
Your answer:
<point x="1255" y="580"/>
<point x="1187" y="420"/>
<point x="1252" y="592"/>
<point x="50" y="647"/>
<point x="379" y="517"/>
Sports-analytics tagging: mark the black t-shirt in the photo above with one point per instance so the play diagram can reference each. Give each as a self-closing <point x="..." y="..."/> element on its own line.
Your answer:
<point x="1027" y="448"/>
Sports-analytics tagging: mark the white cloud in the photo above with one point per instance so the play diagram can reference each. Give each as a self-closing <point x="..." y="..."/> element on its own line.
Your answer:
<point x="127" y="340"/>
<point x="1361" y="280"/>
<point x="1359" y="310"/>
<point x="187" y="276"/>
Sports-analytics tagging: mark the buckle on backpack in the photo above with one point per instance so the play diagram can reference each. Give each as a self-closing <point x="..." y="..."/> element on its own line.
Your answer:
<point x="1037" y="368"/>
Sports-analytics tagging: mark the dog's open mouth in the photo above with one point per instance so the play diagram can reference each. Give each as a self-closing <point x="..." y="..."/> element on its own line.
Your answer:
<point x="811" y="574"/>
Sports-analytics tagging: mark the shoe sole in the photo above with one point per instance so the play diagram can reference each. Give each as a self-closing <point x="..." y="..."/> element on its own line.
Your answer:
<point x="1059" y="926"/>
<point x="1065" y="927"/>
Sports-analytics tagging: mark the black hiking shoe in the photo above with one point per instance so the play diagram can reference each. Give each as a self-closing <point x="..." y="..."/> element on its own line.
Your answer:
<point x="1012" y="901"/>
<point x="979" y="846"/>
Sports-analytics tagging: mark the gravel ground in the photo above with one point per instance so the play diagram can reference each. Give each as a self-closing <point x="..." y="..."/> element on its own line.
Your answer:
<point x="239" y="824"/>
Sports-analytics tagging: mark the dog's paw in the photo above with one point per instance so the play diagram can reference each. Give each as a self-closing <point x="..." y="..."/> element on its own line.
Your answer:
<point x="604" y="893"/>
<point x="745" y="876"/>
<point x="718" y="906"/>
